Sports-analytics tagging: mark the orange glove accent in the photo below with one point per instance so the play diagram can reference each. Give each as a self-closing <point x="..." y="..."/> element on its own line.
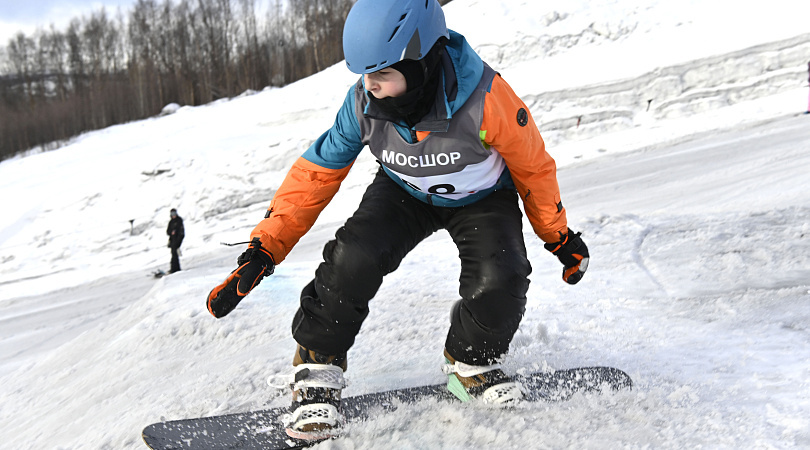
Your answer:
<point x="255" y="265"/>
<point x="573" y="254"/>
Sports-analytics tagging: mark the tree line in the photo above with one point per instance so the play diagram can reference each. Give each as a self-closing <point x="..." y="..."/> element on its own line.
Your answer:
<point x="108" y="69"/>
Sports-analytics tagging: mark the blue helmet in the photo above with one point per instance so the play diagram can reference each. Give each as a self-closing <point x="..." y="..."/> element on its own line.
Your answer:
<point x="379" y="33"/>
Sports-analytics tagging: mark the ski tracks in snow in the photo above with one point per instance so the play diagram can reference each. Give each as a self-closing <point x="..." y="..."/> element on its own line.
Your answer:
<point x="638" y="257"/>
<point x="721" y="253"/>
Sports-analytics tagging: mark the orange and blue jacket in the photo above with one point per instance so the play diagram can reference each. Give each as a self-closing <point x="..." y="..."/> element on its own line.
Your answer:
<point x="474" y="108"/>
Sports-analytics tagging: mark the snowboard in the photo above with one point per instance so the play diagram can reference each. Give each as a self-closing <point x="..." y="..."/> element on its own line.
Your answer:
<point x="264" y="429"/>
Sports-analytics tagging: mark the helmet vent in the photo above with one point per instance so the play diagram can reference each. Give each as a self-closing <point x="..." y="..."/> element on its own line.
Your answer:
<point x="394" y="33"/>
<point x="376" y="65"/>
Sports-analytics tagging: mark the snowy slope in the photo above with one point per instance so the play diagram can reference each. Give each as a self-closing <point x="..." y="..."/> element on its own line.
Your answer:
<point x="695" y="206"/>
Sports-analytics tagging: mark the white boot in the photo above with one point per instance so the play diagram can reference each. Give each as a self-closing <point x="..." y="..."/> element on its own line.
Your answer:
<point x="487" y="384"/>
<point x="316" y="388"/>
<point x="316" y="401"/>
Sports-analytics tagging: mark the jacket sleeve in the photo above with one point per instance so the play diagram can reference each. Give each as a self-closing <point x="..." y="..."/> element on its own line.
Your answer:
<point x="181" y="230"/>
<point x="310" y="185"/>
<point x="509" y="127"/>
<point x="298" y="202"/>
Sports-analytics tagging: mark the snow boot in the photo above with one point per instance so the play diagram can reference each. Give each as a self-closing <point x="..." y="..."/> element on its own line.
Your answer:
<point x="487" y="384"/>
<point x="316" y="388"/>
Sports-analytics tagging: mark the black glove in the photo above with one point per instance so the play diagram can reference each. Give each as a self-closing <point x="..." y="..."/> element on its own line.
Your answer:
<point x="254" y="264"/>
<point x="573" y="254"/>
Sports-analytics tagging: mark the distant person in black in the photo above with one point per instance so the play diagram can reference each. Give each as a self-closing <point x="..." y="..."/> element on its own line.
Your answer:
<point x="176" y="234"/>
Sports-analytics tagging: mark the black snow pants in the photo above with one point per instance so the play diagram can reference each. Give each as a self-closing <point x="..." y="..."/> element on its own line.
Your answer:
<point x="174" y="266"/>
<point x="386" y="226"/>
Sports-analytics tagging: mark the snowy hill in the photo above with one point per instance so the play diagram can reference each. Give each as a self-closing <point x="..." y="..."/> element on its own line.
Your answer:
<point x="683" y="161"/>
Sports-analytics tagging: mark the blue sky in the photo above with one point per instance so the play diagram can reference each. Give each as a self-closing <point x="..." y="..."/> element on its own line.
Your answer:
<point x="27" y="15"/>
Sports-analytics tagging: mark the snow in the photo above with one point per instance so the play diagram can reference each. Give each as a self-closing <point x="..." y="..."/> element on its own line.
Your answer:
<point x="686" y="175"/>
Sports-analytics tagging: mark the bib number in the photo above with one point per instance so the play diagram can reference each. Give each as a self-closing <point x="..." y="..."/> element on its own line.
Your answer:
<point x="441" y="189"/>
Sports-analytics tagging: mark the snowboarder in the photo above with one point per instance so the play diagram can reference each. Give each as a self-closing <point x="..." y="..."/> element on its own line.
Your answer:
<point x="176" y="234"/>
<point x="457" y="147"/>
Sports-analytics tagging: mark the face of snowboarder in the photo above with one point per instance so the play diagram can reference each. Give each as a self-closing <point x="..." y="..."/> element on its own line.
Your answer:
<point x="173" y="214"/>
<point x="384" y="83"/>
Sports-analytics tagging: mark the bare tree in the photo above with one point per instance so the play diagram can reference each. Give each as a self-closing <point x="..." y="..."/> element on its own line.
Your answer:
<point x="21" y="54"/>
<point x="102" y="69"/>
